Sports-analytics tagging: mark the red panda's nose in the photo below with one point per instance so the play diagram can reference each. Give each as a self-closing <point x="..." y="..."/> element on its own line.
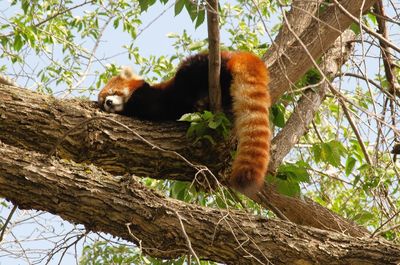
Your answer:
<point x="109" y="102"/>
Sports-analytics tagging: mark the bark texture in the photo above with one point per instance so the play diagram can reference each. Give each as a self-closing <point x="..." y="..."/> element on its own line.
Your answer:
<point x="288" y="61"/>
<point x="118" y="151"/>
<point x="36" y="122"/>
<point x="163" y="227"/>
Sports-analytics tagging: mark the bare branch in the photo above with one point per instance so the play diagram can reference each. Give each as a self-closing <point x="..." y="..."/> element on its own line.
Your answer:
<point x="4" y="227"/>
<point x="365" y="28"/>
<point x="388" y="62"/>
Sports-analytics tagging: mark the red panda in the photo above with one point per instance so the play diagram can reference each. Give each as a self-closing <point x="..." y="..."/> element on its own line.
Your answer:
<point x="244" y="89"/>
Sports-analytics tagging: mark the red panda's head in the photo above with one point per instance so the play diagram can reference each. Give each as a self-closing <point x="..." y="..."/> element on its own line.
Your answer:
<point x="116" y="93"/>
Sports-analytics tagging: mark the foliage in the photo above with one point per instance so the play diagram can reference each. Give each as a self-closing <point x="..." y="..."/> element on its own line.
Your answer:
<point x="289" y="178"/>
<point x="102" y="253"/>
<point x="207" y="126"/>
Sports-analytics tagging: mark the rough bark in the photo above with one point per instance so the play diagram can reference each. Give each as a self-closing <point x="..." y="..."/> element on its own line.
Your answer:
<point x="124" y="208"/>
<point x="35" y="122"/>
<point x="118" y="151"/>
<point x="302" y="116"/>
<point x="288" y="61"/>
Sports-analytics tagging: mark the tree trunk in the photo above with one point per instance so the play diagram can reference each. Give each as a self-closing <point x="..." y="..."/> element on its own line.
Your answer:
<point x="289" y="61"/>
<point x="163" y="227"/>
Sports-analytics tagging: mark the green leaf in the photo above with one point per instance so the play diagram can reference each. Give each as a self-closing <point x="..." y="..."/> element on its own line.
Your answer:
<point x="350" y="163"/>
<point x="296" y="172"/>
<point x="364" y="217"/>
<point x="116" y="23"/>
<point x="25" y="5"/>
<point x="190" y="117"/>
<point x="330" y="152"/>
<point x="200" y="18"/>
<point x="196" y="45"/>
<point x="207" y="115"/>
<point x="289" y="188"/>
<point x="144" y="4"/>
<point x="191" y="9"/>
<point x="372" y="18"/>
<point x="178" y="190"/>
<point x="316" y="149"/>
<point x="356" y="180"/>
<point x="278" y="115"/>
<point x="179" y="6"/>
<point x="18" y="43"/>
<point x="213" y="124"/>
<point x="355" y="28"/>
<point x="284" y="185"/>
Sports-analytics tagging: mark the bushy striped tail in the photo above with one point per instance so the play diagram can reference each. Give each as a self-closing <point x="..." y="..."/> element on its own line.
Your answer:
<point x="251" y="102"/>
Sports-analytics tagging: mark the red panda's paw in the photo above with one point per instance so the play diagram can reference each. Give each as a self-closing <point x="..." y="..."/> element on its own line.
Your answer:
<point x="248" y="181"/>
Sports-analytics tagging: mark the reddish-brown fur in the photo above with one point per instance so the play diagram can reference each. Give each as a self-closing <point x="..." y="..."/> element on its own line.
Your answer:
<point x="116" y="85"/>
<point x="244" y="84"/>
<point x="251" y="102"/>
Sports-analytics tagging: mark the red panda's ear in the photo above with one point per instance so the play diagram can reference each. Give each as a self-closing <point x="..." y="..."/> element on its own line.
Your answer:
<point x="127" y="73"/>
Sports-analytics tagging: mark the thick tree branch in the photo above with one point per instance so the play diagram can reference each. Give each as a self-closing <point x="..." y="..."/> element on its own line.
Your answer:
<point x="303" y="114"/>
<point x="288" y="62"/>
<point x="36" y="122"/>
<point x="299" y="18"/>
<point x="161" y="227"/>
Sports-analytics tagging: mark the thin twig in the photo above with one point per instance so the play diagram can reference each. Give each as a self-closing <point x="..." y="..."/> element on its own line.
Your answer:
<point x="50" y="17"/>
<point x="92" y="55"/>
<point x="367" y="29"/>
<point x="390" y="68"/>
<point x="3" y="228"/>
<point x="365" y="79"/>
<point x="189" y="244"/>
<point x="375" y="233"/>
